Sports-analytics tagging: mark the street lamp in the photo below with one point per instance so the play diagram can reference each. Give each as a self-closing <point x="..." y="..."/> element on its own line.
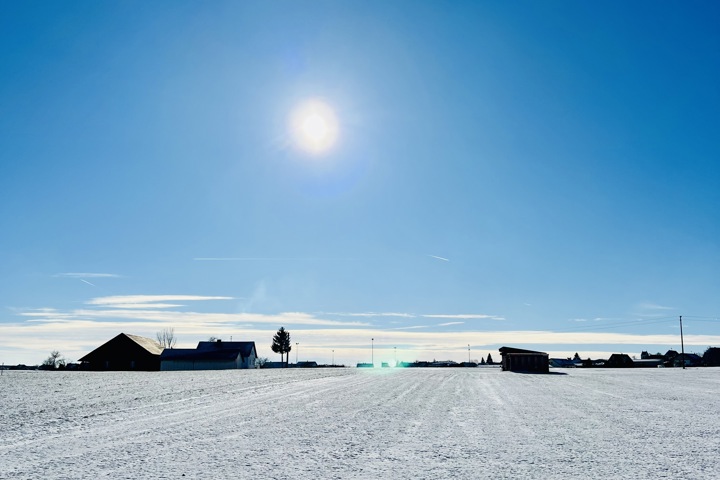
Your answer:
<point x="395" y="351"/>
<point x="333" y="360"/>
<point x="372" y="352"/>
<point x="297" y="347"/>
<point x="468" y="353"/>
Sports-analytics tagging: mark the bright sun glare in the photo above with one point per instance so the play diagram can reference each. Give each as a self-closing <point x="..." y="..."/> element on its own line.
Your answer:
<point x="314" y="127"/>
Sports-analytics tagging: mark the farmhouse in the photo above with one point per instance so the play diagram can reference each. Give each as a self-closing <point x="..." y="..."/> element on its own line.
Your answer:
<point x="216" y="355"/>
<point x="619" y="360"/>
<point x="519" y="360"/>
<point x="124" y="352"/>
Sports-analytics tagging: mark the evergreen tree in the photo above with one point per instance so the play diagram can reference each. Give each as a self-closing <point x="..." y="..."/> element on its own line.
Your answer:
<point x="281" y="344"/>
<point x="489" y="359"/>
<point x="576" y="358"/>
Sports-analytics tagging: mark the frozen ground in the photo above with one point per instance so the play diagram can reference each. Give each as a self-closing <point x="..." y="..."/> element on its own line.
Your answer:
<point x="354" y="423"/>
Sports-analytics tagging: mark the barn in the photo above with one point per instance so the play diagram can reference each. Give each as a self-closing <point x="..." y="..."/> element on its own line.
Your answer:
<point x="216" y="355"/>
<point x="619" y="360"/>
<point x="519" y="360"/>
<point x="124" y="352"/>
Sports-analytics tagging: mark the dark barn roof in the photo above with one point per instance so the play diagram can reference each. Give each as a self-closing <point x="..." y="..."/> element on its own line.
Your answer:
<point x="620" y="360"/>
<point x="217" y="350"/>
<point x="125" y="352"/>
<point x="245" y="348"/>
<point x="504" y="350"/>
<point x="521" y="360"/>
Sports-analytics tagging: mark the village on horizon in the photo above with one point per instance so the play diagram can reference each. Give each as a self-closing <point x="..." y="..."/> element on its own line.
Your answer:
<point x="126" y="352"/>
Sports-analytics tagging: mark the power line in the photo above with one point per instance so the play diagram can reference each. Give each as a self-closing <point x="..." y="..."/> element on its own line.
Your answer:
<point x="628" y="323"/>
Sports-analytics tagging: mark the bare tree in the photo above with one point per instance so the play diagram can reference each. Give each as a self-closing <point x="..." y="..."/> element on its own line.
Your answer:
<point x="54" y="361"/>
<point x="166" y="337"/>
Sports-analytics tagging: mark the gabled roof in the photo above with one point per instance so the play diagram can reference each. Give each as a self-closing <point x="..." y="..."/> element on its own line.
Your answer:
<point x="505" y="350"/>
<point x="147" y="344"/>
<point x="245" y="348"/>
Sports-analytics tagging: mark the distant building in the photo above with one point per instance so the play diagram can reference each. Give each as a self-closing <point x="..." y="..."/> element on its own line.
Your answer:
<point x="216" y="355"/>
<point x="687" y="360"/>
<point x="124" y="352"/>
<point x="519" y="360"/>
<point x="648" y="363"/>
<point x="619" y="360"/>
<point x="562" y="363"/>
<point x="306" y="364"/>
<point x="711" y="357"/>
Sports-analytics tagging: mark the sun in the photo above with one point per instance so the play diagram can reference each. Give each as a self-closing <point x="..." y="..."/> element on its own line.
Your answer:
<point x="314" y="127"/>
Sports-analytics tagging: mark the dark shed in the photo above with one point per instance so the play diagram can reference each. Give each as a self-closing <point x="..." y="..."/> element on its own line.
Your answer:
<point x="519" y="360"/>
<point x="124" y="352"/>
<point x="619" y="360"/>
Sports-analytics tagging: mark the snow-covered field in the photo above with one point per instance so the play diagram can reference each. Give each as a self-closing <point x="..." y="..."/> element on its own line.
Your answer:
<point x="356" y="423"/>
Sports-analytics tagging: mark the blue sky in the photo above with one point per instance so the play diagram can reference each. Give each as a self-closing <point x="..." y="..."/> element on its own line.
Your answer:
<point x="505" y="173"/>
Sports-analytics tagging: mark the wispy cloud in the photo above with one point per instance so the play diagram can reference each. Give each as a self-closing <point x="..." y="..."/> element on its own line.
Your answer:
<point x="439" y="258"/>
<point x="87" y="275"/>
<point x="653" y="306"/>
<point x="368" y="314"/>
<point x="148" y="301"/>
<point x="161" y="317"/>
<point x="468" y="316"/>
<point x="244" y="259"/>
<point x="652" y="310"/>
<point x="450" y="323"/>
<point x="596" y="319"/>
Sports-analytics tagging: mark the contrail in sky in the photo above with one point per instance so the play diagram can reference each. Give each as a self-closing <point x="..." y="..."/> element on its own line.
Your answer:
<point x="85" y="281"/>
<point x="440" y="258"/>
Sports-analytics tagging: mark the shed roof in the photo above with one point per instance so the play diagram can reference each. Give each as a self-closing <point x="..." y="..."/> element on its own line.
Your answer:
<point x="506" y="350"/>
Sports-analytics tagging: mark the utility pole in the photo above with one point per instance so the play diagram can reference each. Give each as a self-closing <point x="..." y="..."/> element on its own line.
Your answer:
<point x="468" y="353"/>
<point x="372" y="352"/>
<point x="297" y="348"/>
<point x="682" y="344"/>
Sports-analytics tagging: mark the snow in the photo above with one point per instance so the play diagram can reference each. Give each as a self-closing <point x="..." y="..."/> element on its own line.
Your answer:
<point x="361" y="423"/>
